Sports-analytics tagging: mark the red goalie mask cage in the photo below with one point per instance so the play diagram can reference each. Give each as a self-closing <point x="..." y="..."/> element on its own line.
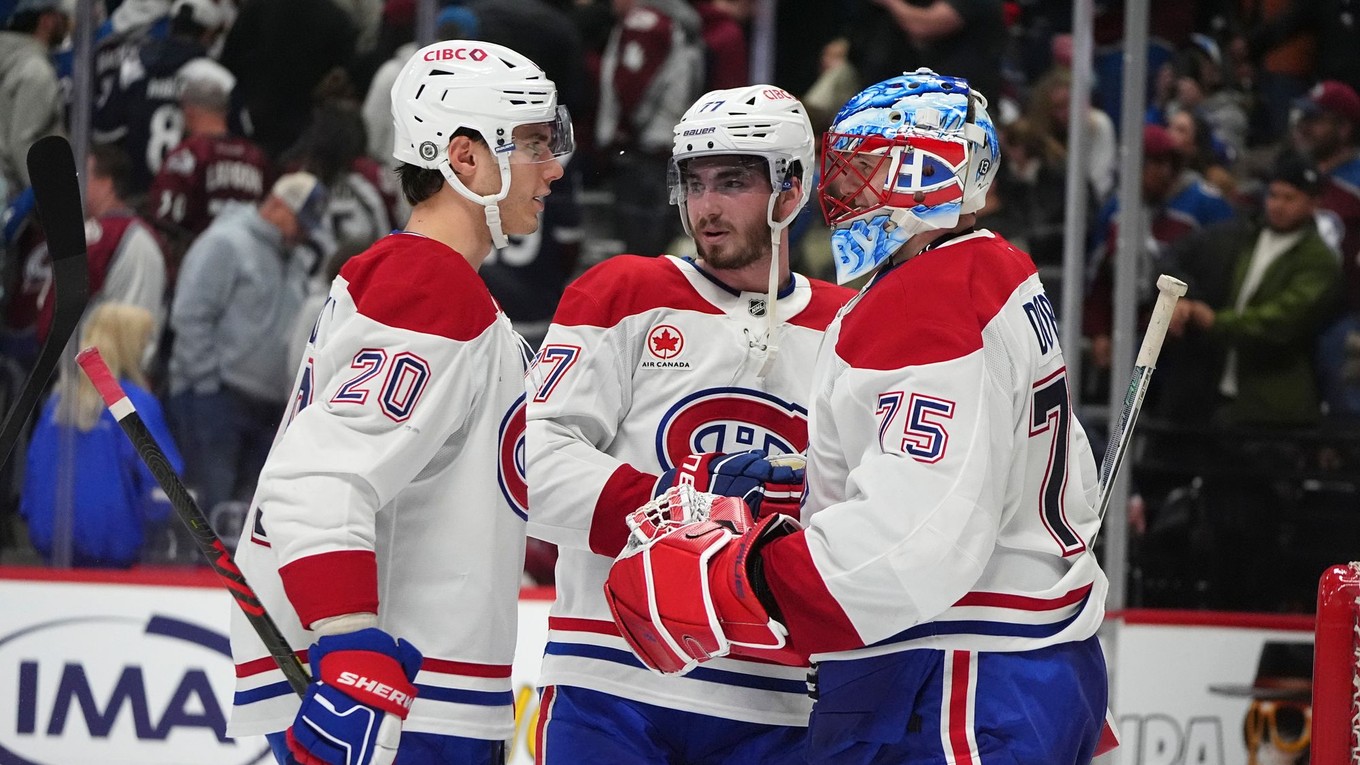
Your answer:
<point x="1336" y="668"/>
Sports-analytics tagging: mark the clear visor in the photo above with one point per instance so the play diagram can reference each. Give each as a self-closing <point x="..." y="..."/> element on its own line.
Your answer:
<point x="543" y="141"/>
<point x="693" y="177"/>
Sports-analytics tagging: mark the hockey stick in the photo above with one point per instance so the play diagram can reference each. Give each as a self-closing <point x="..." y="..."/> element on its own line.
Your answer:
<point x="188" y="511"/>
<point x="52" y="169"/>
<point x="1169" y="290"/>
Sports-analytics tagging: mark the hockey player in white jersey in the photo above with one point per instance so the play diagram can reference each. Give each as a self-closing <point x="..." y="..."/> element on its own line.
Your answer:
<point x="942" y="584"/>
<point x="664" y="370"/>
<point x="387" y="532"/>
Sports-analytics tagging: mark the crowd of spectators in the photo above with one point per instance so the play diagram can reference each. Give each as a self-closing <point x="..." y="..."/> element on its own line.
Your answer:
<point x="241" y="151"/>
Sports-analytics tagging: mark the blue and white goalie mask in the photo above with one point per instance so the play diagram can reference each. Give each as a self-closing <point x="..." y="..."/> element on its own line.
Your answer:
<point x="907" y="155"/>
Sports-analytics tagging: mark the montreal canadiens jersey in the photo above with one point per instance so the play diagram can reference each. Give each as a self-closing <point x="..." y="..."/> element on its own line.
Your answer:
<point x="649" y="360"/>
<point x="951" y="491"/>
<point x="391" y="460"/>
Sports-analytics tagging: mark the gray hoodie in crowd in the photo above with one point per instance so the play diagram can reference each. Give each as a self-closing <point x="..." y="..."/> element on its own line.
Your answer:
<point x="30" y="107"/>
<point x="237" y="297"/>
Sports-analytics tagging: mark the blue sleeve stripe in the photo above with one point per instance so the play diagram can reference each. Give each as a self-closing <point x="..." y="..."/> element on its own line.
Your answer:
<point x="707" y="674"/>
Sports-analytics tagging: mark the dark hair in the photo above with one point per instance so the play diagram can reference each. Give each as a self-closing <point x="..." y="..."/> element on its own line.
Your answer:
<point x="420" y="183"/>
<point x="329" y="144"/>
<point x="183" y="24"/>
<point x="25" y="22"/>
<point x="112" y="162"/>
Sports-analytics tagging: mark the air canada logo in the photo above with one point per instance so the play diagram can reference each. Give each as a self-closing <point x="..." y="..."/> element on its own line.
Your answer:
<point x="117" y="688"/>
<point x="665" y="343"/>
<point x="730" y="420"/>
<point x="510" y="471"/>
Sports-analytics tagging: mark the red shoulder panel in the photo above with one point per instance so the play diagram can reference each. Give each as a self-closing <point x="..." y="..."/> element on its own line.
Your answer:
<point x="421" y="285"/>
<point x="934" y="307"/>
<point x="627" y="285"/>
<point x="827" y="299"/>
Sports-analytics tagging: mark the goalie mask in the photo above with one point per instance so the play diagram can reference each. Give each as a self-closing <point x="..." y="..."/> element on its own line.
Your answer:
<point x="462" y="84"/>
<point x="907" y="155"/>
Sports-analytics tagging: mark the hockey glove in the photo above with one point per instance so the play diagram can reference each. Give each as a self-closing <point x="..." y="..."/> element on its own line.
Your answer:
<point x="352" y="713"/>
<point x="768" y="484"/>
<point x="681" y="592"/>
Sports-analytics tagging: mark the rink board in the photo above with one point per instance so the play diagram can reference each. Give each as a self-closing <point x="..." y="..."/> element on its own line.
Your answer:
<point x="132" y="669"/>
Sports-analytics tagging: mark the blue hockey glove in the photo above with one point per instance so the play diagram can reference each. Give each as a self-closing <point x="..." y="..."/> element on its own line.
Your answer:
<point x="767" y="484"/>
<point x="352" y="712"/>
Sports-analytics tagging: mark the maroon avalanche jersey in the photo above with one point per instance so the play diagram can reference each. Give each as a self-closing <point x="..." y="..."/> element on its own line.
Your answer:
<point x="201" y="175"/>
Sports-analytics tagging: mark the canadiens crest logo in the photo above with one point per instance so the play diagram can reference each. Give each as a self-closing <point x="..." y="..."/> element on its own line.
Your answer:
<point x="665" y="343"/>
<point x="730" y="420"/>
<point x="510" y="473"/>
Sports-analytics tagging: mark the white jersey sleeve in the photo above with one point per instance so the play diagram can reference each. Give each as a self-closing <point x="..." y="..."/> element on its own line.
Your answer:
<point x="387" y="491"/>
<point x="583" y="390"/>
<point x="951" y="488"/>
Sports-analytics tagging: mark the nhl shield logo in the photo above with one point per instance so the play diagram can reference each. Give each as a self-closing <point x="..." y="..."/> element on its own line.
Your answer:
<point x="756" y="306"/>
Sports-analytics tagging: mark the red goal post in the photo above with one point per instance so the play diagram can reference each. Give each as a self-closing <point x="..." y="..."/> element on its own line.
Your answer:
<point x="1336" y="668"/>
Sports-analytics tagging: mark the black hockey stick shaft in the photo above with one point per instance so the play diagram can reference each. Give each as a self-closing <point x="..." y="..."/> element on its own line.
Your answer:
<point x="52" y="169"/>
<point x="188" y="511"/>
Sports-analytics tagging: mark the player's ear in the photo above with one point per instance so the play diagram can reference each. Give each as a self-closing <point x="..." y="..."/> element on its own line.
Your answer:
<point x="463" y="156"/>
<point x="788" y="198"/>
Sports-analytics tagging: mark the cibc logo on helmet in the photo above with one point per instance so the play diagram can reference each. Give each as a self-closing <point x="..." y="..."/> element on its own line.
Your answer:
<point x="456" y="54"/>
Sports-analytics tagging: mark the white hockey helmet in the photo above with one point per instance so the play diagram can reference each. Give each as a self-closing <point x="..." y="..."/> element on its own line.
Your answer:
<point x="757" y="120"/>
<point x="941" y="151"/>
<point x="481" y="86"/>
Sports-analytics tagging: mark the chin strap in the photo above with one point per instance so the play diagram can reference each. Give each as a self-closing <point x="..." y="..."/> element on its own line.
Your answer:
<point x="490" y="202"/>
<point x="493" y="222"/>
<point x="771" y="298"/>
<point x="777" y="228"/>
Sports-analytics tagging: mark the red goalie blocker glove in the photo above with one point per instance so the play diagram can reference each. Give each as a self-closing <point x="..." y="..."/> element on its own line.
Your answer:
<point x="681" y="591"/>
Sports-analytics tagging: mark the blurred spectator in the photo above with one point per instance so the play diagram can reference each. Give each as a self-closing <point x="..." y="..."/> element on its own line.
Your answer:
<point x="237" y="298"/>
<point x="129" y="25"/>
<point x="1170" y="24"/>
<point x="361" y="201"/>
<point x="1176" y="201"/>
<point x="1200" y="86"/>
<point x="366" y="16"/>
<point x="528" y="276"/>
<point x="142" y="113"/>
<point x="113" y="498"/>
<point x="30" y="104"/>
<point x="537" y="29"/>
<point x="211" y="167"/>
<point x="377" y="107"/>
<point x="1027" y="204"/>
<point x="1285" y="286"/>
<point x="280" y="52"/>
<point x="1047" y="110"/>
<point x="1193" y="139"/>
<point x="123" y="255"/>
<point x="961" y="38"/>
<point x="1284" y="64"/>
<point x="1327" y="130"/>
<point x="1334" y="24"/>
<point x="837" y="83"/>
<point x="652" y="70"/>
<point x="724" y="30"/>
